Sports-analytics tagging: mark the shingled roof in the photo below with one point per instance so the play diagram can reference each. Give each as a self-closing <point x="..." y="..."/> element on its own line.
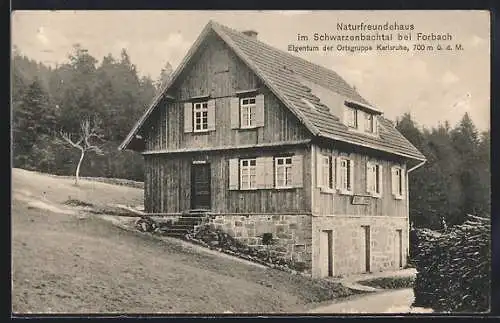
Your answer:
<point x="292" y="80"/>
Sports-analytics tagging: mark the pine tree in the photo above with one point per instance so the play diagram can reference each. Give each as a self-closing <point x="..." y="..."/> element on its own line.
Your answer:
<point x="165" y="74"/>
<point x="465" y="140"/>
<point x="33" y="117"/>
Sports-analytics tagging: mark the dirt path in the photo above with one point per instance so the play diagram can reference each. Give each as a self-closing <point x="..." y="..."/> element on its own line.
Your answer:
<point x="392" y="301"/>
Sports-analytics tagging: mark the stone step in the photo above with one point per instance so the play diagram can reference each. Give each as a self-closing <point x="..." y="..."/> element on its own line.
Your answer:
<point x="182" y="226"/>
<point x="189" y="220"/>
<point x="174" y="232"/>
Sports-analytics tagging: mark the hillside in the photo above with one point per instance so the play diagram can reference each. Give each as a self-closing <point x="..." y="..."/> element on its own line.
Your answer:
<point x="66" y="261"/>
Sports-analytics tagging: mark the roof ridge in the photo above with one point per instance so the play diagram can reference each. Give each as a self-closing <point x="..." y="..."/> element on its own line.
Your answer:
<point x="297" y="59"/>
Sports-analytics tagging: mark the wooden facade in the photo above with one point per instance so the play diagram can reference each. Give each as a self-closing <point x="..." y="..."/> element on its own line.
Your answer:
<point x="332" y="202"/>
<point x="216" y="72"/>
<point x="168" y="183"/>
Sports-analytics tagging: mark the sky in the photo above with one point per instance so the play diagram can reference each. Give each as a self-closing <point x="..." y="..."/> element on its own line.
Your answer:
<point x="432" y="85"/>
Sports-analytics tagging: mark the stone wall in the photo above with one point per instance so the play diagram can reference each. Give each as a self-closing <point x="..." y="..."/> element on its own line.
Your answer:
<point x="291" y="233"/>
<point x="349" y="243"/>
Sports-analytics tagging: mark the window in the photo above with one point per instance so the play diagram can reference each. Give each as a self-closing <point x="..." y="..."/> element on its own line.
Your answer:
<point x="248" y="168"/>
<point x="283" y="172"/>
<point x="399" y="184"/>
<point x="200" y="114"/>
<point x="398" y="188"/>
<point x="248" y="110"/>
<point x="351" y="117"/>
<point x="360" y="120"/>
<point x="345" y="175"/>
<point x="374" y="179"/>
<point x="369" y="123"/>
<point x="325" y="175"/>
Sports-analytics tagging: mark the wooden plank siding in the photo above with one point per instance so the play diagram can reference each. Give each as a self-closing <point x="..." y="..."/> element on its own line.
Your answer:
<point x="217" y="72"/>
<point x="334" y="203"/>
<point x="168" y="184"/>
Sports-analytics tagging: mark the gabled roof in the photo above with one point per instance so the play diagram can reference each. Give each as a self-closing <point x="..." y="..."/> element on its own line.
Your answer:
<point x="290" y="78"/>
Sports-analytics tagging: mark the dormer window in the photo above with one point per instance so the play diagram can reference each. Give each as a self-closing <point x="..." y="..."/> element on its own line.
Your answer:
<point x="360" y="120"/>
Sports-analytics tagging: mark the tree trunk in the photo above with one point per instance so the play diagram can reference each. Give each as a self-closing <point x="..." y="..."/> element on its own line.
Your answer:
<point x="77" y="174"/>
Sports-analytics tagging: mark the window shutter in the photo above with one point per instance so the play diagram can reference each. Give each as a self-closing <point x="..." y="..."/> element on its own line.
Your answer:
<point x="188" y="117"/>
<point x="381" y="178"/>
<point x="233" y="173"/>
<point x="211" y="114"/>
<point x="259" y="112"/>
<point x="403" y="183"/>
<point x="332" y="172"/>
<point x="338" y="183"/>
<point x="319" y="170"/>
<point x="394" y="181"/>
<point x="351" y="175"/>
<point x="297" y="173"/>
<point x="369" y="177"/>
<point x="235" y="112"/>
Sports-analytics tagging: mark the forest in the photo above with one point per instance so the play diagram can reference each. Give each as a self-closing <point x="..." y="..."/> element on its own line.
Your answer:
<point x="50" y="103"/>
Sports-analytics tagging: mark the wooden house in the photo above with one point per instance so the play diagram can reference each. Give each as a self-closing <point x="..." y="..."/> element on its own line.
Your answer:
<point x="271" y="143"/>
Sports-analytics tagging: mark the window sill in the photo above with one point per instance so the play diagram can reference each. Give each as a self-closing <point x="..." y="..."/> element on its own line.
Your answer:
<point x="248" y="128"/>
<point x="327" y="190"/>
<point x="201" y="132"/>
<point x="398" y="197"/>
<point x="375" y="195"/>
<point x="341" y="192"/>
<point x="248" y="189"/>
<point x="284" y="188"/>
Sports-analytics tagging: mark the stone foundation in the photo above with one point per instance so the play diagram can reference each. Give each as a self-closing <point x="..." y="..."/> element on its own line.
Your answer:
<point x="291" y="233"/>
<point x="349" y="244"/>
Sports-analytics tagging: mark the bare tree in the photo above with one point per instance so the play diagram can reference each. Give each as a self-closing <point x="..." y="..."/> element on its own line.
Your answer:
<point x="88" y="135"/>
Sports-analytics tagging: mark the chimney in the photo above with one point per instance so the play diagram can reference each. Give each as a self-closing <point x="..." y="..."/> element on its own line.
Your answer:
<point x="251" y="33"/>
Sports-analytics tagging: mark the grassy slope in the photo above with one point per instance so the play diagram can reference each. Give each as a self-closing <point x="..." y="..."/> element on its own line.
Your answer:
<point x="62" y="263"/>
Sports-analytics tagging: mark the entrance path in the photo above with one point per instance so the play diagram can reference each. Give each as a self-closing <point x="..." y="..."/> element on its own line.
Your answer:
<point x="391" y="301"/>
<point x="352" y="281"/>
<point x="380" y="300"/>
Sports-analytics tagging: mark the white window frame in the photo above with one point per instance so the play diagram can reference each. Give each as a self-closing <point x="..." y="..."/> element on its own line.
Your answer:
<point x="376" y="181"/>
<point x="351" y="116"/>
<point x="248" y="111"/>
<point x="287" y="167"/>
<point x="344" y="173"/>
<point x="400" y="182"/>
<point x="248" y="173"/>
<point x="200" y="108"/>
<point x="326" y="179"/>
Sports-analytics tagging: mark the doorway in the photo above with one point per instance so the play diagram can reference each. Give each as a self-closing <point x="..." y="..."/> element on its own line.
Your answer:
<point x="200" y="186"/>
<point x="399" y="248"/>
<point x="326" y="253"/>
<point x="367" y="251"/>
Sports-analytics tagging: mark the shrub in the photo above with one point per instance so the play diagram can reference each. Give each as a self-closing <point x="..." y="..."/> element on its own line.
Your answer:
<point x="453" y="268"/>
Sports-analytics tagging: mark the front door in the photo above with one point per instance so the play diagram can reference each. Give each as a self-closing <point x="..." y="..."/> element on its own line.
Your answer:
<point x="200" y="186"/>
